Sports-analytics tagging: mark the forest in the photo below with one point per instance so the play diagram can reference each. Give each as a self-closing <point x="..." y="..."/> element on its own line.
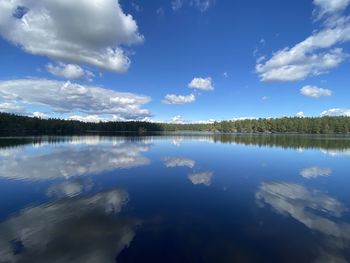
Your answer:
<point x="11" y="124"/>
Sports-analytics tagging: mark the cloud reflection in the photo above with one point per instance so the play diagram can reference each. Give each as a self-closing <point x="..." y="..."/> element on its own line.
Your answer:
<point x="66" y="160"/>
<point x="315" y="171"/>
<point x="72" y="230"/>
<point x="172" y="162"/>
<point x="334" y="153"/>
<point x="316" y="210"/>
<point x="201" y="178"/>
<point x="69" y="188"/>
<point x="177" y="140"/>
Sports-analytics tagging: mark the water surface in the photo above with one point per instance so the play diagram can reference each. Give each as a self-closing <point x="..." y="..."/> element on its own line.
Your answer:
<point x="175" y="198"/>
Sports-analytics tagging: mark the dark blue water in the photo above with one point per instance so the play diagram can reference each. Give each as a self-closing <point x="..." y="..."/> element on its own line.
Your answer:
<point x="191" y="198"/>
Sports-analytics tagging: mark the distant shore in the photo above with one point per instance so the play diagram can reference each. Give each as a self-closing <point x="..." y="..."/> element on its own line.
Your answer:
<point x="11" y="124"/>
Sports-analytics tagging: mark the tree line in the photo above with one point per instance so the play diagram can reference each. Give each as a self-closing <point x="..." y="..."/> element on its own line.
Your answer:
<point x="11" y="124"/>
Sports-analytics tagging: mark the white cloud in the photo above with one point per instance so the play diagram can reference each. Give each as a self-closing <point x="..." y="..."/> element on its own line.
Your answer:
<point x="201" y="83"/>
<point x="300" y="114"/>
<point x="329" y="7"/>
<point x="88" y="118"/>
<point x="172" y="162"/>
<point x="315" y="171"/>
<point x="98" y="118"/>
<point x="10" y="107"/>
<point x="88" y="32"/>
<point x="265" y="98"/>
<point x="179" y="99"/>
<point x="201" y="5"/>
<point x="315" y="92"/>
<point x="70" y="71"/>
<point x="201" y="178"/>
<point x="177" y="119"/>
<point x="202" y="121"/>
<point x="244" y="118"/>
<point x="316" y="54"/>
<point x="336" y="112"/>
<point x="40" y="115"/>
<point x="295" y="64"/>
<point x="65" y="97"/>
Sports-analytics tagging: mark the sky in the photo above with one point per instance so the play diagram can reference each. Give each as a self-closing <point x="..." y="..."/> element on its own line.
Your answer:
<point x="174" y="60"/>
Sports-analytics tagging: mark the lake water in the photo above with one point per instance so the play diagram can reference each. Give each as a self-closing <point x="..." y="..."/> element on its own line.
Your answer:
<point x="175" y="198"/>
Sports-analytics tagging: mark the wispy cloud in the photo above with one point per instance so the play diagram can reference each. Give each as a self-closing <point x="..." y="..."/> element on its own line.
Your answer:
<point x="315" y="55"/>
<point x="201" y="5"/>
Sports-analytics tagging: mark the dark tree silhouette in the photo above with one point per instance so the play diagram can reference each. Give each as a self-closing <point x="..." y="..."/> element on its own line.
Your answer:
<point x="11" y="124"/>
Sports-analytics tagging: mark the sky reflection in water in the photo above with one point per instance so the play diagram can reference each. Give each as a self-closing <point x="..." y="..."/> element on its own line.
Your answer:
<point x="193" y="198"/>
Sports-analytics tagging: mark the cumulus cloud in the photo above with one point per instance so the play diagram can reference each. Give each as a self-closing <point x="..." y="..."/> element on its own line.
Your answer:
<point x="201" y="83"/>
<point x="69" y="71"/>
<point x="66" y="97"/>
<point x="315" y="92"/>
<point x="300" y="114"/>
<point x="315" y="55"/>
<point x="40" y="115"/>
<point x="76" y="158"/>
<point x="244" y="118"/>
<point x="201" y="178"/>
<point x="296" y="64"/>
<point x="87" y="229"/>
<point x="201" y="5"/>
<point x="177" y="119"/>
<point x="315" y="171"/>
<point x="179" y="99"/>
<point x="97" y="118"/>
<point x="88" y="118"/>
<point x="88" y="32"/>
<point x="171" y="162"/>
<point x="336" y="112"/>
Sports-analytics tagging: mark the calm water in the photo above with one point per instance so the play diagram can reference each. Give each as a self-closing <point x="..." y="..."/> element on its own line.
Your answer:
<point x="193" y="198"/>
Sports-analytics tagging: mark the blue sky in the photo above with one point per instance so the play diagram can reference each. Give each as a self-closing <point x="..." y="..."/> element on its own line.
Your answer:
<point x="104" y="59"/>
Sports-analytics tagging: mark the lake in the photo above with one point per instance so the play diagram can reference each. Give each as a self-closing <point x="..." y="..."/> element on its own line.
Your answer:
<point x="175" y="198"/>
